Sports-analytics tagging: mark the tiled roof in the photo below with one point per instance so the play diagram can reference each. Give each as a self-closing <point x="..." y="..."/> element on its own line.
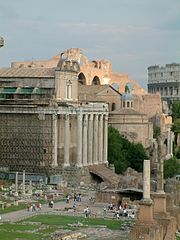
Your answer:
<point x="91" y="89"/>
<point x="27" y="72"/>
<point x="90" y="92"/>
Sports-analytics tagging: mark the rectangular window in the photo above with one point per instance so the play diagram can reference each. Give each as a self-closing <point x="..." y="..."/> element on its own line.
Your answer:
<point x="69" y="89"/>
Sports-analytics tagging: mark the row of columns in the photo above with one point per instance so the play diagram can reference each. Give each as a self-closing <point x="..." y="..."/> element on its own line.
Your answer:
<point x="23" y="184"/>
<point x="166" y="91"/>
<point x="91" y="139"/>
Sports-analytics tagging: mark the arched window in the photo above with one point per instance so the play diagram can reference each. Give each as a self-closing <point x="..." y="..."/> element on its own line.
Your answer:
<point x="128" y="104"/>
<point x="113" y="107"/>
<point x="94" y="64"/>
<point x="96" y="81"/>
<point x="82" y="79"/>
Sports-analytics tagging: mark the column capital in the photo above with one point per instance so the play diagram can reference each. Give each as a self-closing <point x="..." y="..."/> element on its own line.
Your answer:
<point x="91" y="116"/>
<point x="85" y="119"/>
<point x="106" y="117"/>
<point x="96" y="116"/>
<point x="54" y="116"/>
<point x="100" y="117"/>
<point x="79" y="116"/>
<point x="66" y="116"/>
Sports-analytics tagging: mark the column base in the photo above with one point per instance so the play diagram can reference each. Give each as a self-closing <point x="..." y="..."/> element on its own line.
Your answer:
<point x="145" y="213"/>
<point x="65" y="165"/>
<point x="79" y="165"/>
<point x="159" y="202"/>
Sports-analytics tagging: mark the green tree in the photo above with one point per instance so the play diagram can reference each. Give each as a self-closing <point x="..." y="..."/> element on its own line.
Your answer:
<point x="122" y="153"/>
<point x="176" y="129"/>
<point x="171" y="167"/>
<point x="137" y="155"/>
<point x="176" y="110"/>
<point x="156" y="131"/>
<point x="116" y="154"/>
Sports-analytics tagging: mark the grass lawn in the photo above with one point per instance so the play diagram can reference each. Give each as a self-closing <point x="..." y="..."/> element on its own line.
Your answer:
<point x="23" y="235"/>
<point x="13" y="208"/>
<point x="40" y="227"/>
<point x="64" y="220"/>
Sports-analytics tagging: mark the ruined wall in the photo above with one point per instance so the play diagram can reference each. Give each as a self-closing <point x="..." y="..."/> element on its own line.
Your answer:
<point x="25" y="141"/>
<point x="135" y="127"/>
<point x="149" y="104"/>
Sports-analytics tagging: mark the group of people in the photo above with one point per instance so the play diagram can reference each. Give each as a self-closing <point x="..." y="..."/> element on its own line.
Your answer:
<point x="118" y="211"/>
<point x="76" y="197"/>
<point x="34" y="207"/>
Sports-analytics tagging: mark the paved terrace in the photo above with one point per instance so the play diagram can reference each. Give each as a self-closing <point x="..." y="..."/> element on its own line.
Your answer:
<point x="62" y="208"/>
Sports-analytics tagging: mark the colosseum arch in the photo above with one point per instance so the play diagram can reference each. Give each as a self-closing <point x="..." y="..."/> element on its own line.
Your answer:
<point x="96" y="81"/>
<point x="94" y="64"/>
<point x="82" y="78"/>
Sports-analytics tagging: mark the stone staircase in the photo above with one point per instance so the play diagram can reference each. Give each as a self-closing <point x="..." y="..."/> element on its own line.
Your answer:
<point x="106" y="174"/>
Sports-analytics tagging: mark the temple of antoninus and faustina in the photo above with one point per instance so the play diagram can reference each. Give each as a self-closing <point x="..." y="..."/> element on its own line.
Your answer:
<point x="44" y="128"/>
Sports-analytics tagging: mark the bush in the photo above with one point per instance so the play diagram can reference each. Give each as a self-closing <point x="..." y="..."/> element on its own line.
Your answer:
<point x="123" y="154"/>
<point x="171" y="167"/>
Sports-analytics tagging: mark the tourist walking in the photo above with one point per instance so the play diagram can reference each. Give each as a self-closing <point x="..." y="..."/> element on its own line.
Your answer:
<point x="87" y="212"/>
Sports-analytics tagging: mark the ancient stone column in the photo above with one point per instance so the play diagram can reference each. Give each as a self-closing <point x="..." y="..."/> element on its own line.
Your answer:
<point x="16" y="184"/>
<point x="145" y="213"/>
<point x="95" y="142"/>
<point x="30" y="187"/>
<point x="160" y="176"/>
<point x="171" y="143"/>
<point x="59" y="144"/>
<point x="146" y="180"/>
<point x="90" y="139"/>
<point x="55" y="141"/>
<point x="100" y="132"/>
<point x="79" y="140"/>
<point x="24" y="182"/>
<point x="105" y="149"/>
<point x="168" y="142"/>
<point x="85" y="127"/>
<point x="66" y="140"/>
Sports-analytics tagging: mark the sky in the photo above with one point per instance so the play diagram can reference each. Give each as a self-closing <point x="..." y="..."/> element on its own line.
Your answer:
<point x="131" y="34"/>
